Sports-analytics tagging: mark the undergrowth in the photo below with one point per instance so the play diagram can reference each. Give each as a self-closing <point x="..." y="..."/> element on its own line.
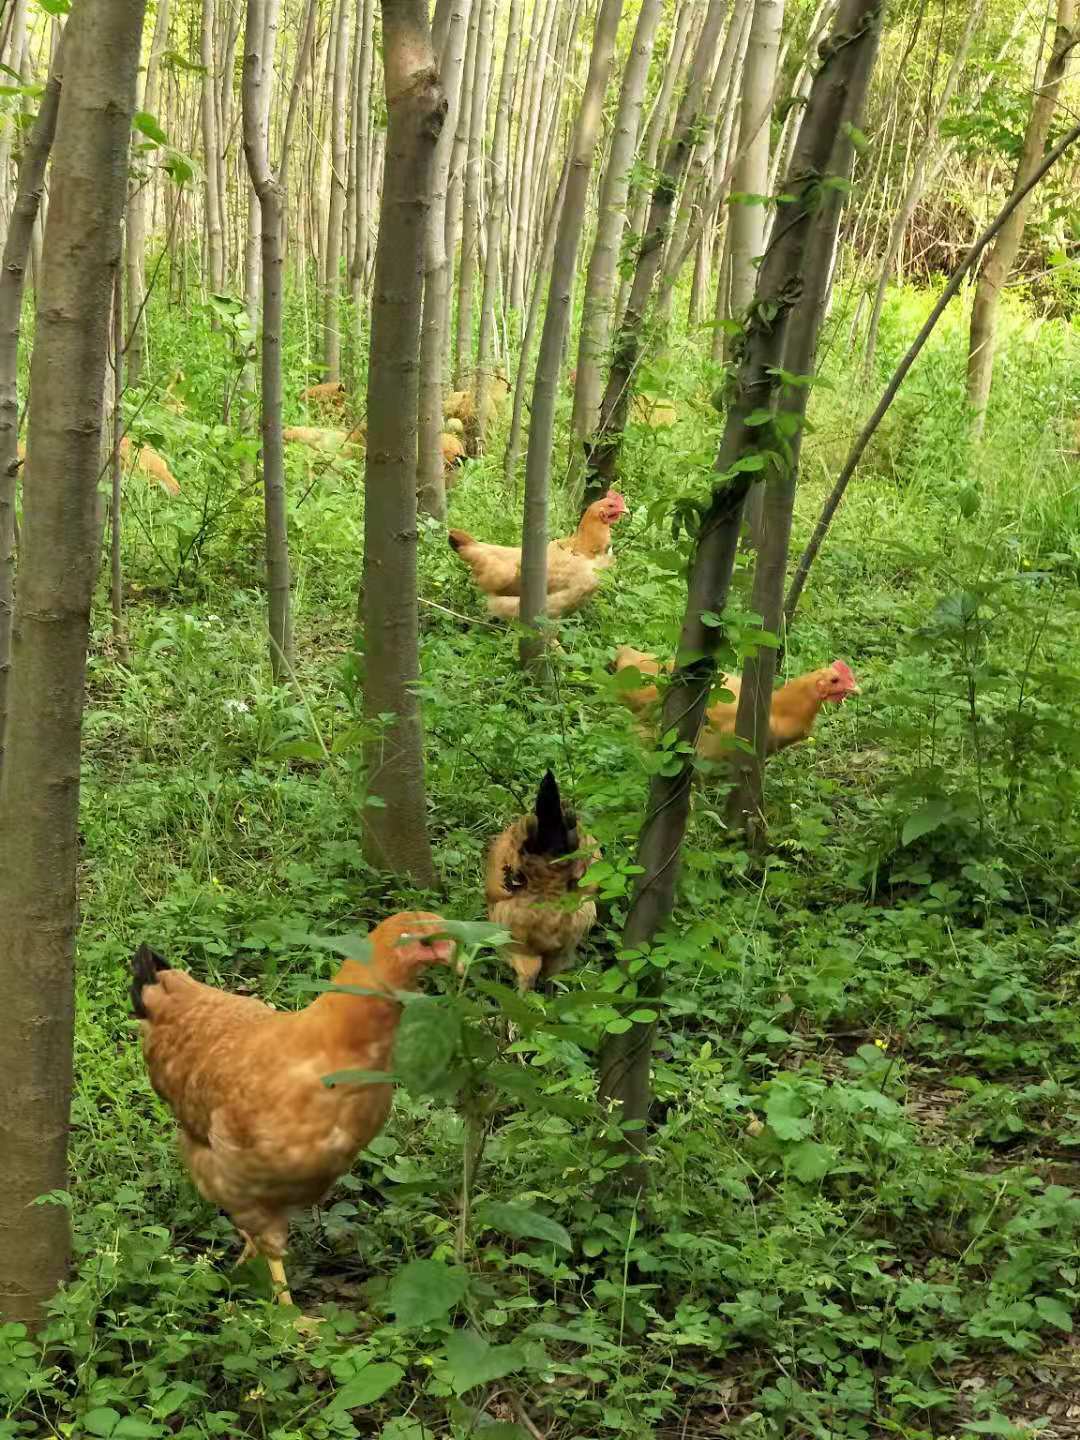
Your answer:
<point x="863" y="1216"/>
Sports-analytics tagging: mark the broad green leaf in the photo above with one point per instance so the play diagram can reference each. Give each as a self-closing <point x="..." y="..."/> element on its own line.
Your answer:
<point x="473" y="1361"/>
<point x="424" y="1291"/>
<point x="426" y="1043"/>
<point x="928" y="817"/>
<point x="785" y="1110"/>
<point x="148" y="125"/>
<point x="1054" y="1312"/>
<point x="132" y="1429"/>
<point x="521" y="1222"/>
<point x="101" y="1421"/>
<point x="808" y="1161"/>
<point x="369" y="1385"/>
<point x="475" y="932"/>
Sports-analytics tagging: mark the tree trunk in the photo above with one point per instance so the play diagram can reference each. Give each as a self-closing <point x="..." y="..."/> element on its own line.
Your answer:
<point x="625" y="1059"/>
<point x="470" y="214"/>
<point x="361" y="126"/>
<point x="215" y="255"/>
<point x="259" y="42"/>
<point x="496" y="204"/>
<point x="430" y="477"/>
<point x="136" y="211"/>
<point x="39" y="792"/>
<point x="999" y="263"/>
<point x="595" y="334"/>
<point x="746" y="222"/>
<point x="116" y="577"/>
<point x="655" y="128"/>
<point x="606" y="443"/>
<point x="395" y="832"/>
<point x="858" y="449"/>
<point x="919" y="176"/>
<point x="543" y="265"/>
<point x="14" y="59"/>
<point x="556" y="321"/>
<point x="746" y="806"/>
<point x="12" y="281"/>
<point x="528" y="123"/>
<point x="336" y="218"/>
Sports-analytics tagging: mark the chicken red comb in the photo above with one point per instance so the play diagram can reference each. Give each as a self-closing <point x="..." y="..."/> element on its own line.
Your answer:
<point x="614" y="495"/>
<point x="843" y="669"/>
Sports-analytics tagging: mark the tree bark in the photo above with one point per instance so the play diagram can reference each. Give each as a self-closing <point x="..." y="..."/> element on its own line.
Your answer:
<point x="595" y="334"/>
<point x="528" y="125"/>
<point x="12" y="283"/>
<point x="339" y="161"/>
<point x="746" y="805"/>
<point x="259" y="42"/>
<point x="625" y="1059"/>
<point x="39" y="791"/>
<point x="955" y="281"/>
<point x="1000" y="261"/>
<point x="496" y="207"/>
<point x="215" y="255"/>
<point x="395" y="833"/>
<point x="15" y="46"/>
<point x="556" y="321"/>
<point x="136" y="211"/>
<point x="361" y="126"/>
<point x="470" y="214"/>
<point x="606" y="443"/>
<point x="116" y="576"/>
<point x="430" y="474"/>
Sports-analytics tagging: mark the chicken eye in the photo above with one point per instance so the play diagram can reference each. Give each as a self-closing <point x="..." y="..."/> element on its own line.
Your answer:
<point x="513" y="879"/>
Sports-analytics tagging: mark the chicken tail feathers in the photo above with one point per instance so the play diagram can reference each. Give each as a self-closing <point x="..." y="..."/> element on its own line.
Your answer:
<point x="552" y="829"/>
<point x="146" y="964"/>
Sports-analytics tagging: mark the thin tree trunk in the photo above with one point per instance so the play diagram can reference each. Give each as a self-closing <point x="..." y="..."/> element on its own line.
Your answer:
<point x="259" y="42"/>
<point x="456" y="179"/>
<point x="746" y="806"/>
<point x="215" y="260"/>
<point x="39" y="791"/>
<point x="335" y="221"/>
<point x="595" y="334"/>
<point x="607" y="441"/>
<point x="470" y="214"/>
<point x="496" y="208"/>
<point x="956" y="280"/>
<point x="529" y="120"/>
<point x="918" y="179"/>
<point x="999" y="263"/>
<point x="543" y="265"/>
<point x="361" y="126"/>
<point x="12" y="281"/>
<point x="136" y="211"/>
<point x="395" y="832"/>
<point x="430" y="479"/>
<point x="16" y="44"/>
<point x="625" y="1059"/>
<point x="746" y="220"/>
<point x="655" y="129"/>
<point x="116" y="577"/>
<point x="556" y="322"/>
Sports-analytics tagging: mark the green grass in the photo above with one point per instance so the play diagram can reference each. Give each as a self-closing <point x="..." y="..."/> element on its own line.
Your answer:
<point x="864" y="1215"/>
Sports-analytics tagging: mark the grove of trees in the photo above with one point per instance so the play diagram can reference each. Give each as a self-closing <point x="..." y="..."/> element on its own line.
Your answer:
<point x="304" y="306"/>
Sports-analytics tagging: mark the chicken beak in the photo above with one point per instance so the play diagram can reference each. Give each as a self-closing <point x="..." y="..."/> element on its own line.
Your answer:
<point x="854" y="690"/>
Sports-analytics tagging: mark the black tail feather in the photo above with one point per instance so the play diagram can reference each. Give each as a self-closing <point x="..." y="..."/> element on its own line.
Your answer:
<point x="555" y="830"/>
<point x="145" y="965"/>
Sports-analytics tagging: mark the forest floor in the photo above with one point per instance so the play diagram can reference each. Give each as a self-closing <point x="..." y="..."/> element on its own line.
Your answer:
<point x="864" y="1216"/>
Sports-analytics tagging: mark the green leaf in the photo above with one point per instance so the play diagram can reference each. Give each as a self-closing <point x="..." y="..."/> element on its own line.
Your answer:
<point x="178" y="167"/>
<point x="475" y="932"/>
<point x="997" y="1425"/>
<point x="808" y="1161"/>
<point x="369" y="1385"/>
<point x="55" y="7"/>
<point x="1054" y="1312"/>
<point x="101" y="1421"/>
<point x="132" y="1429"/>
<point x="299" y="750"/>
<point x="424" y="1291"/>
<point x="427" y="1041"/>
<point x="473" y="1361"/>
<point x="928" y="817"/>
<point x="147" y="125"/>
<point x="521" y="1222"/>
<point x="785" y="1110"/>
